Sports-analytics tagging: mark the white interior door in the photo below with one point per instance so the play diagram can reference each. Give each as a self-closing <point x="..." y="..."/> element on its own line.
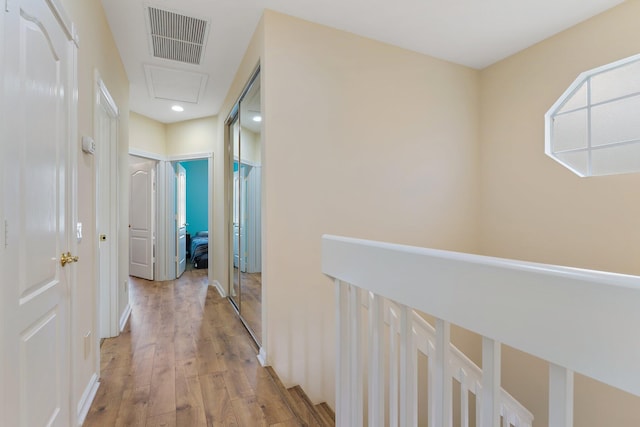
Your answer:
<point x="36" y="133"/>
<point x="141" y="216"/>
<point x="181" y="219"/>
<point x="106" y="135"/>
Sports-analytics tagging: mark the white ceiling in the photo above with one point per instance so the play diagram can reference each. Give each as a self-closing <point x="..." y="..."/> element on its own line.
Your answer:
<point x="475" y="33"/>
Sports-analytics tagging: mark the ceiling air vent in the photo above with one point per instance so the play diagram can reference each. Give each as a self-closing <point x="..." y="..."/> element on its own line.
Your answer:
<point x="177" y="37"/>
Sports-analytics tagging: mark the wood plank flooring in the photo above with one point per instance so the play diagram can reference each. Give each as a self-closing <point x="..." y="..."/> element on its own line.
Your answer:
<point x="184" y="360"/>
<point x="250" y="300"/>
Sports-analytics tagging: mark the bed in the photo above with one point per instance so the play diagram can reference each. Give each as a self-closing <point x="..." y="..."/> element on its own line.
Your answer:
<point x="200" y="249"/>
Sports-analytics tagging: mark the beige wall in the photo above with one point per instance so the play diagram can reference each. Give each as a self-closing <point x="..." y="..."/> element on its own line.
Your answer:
<point x="147" y="135"/>
<point x="361" y="139"/>
<point x="97" y="51"/>
<point x="192" y="136"/>
<point x="189" y="137"/>
<point x="534" y="209"/>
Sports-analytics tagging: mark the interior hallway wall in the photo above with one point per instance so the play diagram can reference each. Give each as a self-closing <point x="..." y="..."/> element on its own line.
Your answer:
<point x="188" y="137"/>
<point x="147" y="135"/>
<point x="361" y="139"/>
<point x="534" y="209"/>
<point x="97" y="51"/>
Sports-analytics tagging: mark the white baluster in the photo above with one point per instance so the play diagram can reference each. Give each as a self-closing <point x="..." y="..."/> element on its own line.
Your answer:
<point x="505" y="418"/>
<point x="560" y="396"/>
<point x="490" y="383"/>
<point x="393" y="369"/>
<point x="479" y="394"/>
<point x="442" y="376"/>
<point x="464" y="399"/>
<point x="408" y="371"/>
<point x="343" y="392"/>
<point x="376" y="360"/>
<point x="355" y="362"/>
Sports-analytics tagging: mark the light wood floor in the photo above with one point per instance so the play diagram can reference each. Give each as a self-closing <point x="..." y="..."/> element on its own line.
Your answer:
<point x="184" y="359"/>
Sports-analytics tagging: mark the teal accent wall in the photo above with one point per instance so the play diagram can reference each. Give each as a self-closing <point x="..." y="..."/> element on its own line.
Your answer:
<point x="197" y="193"/>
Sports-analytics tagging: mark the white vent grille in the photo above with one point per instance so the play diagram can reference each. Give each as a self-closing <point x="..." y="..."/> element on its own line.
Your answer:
<point x="177" y="37"/>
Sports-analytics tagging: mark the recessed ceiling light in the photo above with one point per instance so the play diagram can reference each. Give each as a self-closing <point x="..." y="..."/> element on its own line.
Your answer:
<point x="257" y="118"/>
<point x="177" y="108"/>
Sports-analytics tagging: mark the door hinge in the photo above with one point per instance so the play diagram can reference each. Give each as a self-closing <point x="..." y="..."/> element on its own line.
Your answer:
<point x="7" y="6"/>
<point x="6" y="234"/>
<point x="176" y="258"/>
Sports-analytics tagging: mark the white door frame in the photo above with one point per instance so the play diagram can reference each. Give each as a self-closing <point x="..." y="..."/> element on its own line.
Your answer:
<point x="165" y="238"/>
<point x="106" y="179"/>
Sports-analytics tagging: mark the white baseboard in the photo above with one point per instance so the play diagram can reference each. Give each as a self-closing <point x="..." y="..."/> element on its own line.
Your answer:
<point x="125" y="317"/>
<point x="87" y="398"/>
<point x="262" y="357"/>
<point x="221" y="291"/>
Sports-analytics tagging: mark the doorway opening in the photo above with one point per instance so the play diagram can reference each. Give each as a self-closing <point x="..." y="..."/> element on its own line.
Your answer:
<point x="192" y="200"/>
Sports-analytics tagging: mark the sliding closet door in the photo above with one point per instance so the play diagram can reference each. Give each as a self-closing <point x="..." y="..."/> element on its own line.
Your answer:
<point x="245" y="140"/>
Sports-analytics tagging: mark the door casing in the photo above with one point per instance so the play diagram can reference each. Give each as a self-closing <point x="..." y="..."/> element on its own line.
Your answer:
<point x="106" y="120"/>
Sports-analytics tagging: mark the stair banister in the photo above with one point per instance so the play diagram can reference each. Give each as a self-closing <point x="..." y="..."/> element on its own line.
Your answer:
<point x="502" y="300"/>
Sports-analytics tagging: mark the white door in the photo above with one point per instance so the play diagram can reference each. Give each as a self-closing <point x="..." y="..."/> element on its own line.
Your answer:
<point x="141" y="215"/>
<point x="181" y="219"/>
<point x="106" y="136"/>
<point x="36" y="135"/>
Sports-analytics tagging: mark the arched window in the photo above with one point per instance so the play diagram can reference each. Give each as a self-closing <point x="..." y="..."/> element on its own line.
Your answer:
<point x="594" y="128"/>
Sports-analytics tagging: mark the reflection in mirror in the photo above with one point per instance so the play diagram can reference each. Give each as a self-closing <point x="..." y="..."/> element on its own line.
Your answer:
<point x="245" y="136"/>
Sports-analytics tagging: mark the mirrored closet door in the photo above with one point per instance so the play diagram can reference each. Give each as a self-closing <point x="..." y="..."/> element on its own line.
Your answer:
<point x="245" y="139"/>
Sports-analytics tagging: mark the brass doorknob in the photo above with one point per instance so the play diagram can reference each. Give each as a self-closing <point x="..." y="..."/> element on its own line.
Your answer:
<point x="67" y="259"/>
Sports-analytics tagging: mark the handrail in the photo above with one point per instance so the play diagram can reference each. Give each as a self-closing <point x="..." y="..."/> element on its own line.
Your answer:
<point x="537" y="308"/>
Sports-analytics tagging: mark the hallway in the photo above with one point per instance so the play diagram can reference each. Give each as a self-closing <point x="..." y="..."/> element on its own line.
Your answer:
<point x="184" y="359"/>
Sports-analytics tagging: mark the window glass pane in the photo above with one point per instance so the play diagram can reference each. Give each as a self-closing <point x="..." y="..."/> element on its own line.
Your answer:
<point x="577" y="100"/>
<point x="617" y="159"/>
<point x="570" y="131"/>
<point x="614" y="83"/>
<point x="578" y="161"/>
<point x="616" y="121"/>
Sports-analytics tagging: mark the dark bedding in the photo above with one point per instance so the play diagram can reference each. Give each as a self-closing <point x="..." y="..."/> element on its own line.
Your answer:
<point x="200" y="250"/>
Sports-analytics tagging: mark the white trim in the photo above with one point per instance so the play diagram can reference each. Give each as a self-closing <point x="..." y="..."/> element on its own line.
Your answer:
<point x="218" y="286"/>
<point x="194" y="156"/>
<point x="262" y="357"/>
<point x="170" y="158"/>
<point x="67" y="24"/>
<point x="87" y="399"/>
<point x="125" y="316"/>
<point x="107" y="96"/>
<point x="104" y="101"/>
<point x="147" y="154"/>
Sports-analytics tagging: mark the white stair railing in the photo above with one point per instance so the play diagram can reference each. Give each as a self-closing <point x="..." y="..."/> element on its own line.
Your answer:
<point x="539" y="309"/>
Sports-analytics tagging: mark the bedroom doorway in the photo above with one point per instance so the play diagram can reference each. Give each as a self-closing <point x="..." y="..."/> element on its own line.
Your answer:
<point x="192" y="213"/>
<point x="244" y="130"/>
